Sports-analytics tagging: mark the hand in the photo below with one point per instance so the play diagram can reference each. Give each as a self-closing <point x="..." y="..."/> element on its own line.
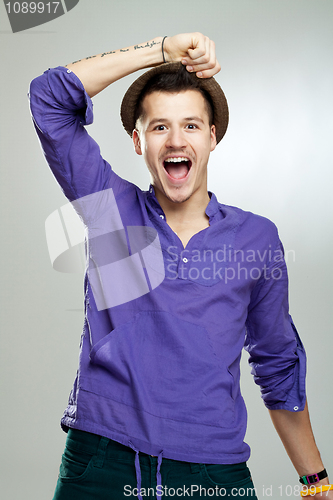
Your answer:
<point x="195" y="51"/>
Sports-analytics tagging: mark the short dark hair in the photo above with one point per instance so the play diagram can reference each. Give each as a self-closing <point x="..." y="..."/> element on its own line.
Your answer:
<point x="171" y="83"/>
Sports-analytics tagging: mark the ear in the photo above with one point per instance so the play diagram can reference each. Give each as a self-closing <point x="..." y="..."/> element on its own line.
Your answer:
<point x="137" y="142"/>
<point x="212" y="138"/>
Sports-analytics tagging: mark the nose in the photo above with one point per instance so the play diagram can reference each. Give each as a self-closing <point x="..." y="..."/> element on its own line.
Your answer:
<point x="176" y="138"/>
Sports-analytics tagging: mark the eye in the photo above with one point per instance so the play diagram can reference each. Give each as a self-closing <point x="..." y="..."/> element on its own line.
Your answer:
<point x="160" y="127"/>
<point x="191" y="126"/>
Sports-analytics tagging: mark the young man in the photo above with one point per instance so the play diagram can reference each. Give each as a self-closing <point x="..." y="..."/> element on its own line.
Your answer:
<point x="156" y="405"/>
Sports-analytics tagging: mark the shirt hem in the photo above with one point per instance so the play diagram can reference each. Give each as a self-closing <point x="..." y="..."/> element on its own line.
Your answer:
<point x="150" y="449"/>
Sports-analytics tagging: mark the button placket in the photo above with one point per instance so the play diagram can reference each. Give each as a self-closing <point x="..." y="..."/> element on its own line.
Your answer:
<point x="183" y="267"/>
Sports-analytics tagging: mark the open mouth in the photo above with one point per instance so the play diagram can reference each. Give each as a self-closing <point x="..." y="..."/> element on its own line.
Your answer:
<point x="177" y="167"/>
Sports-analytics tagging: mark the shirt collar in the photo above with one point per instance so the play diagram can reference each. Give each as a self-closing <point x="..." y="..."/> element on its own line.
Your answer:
<point x="213" y="206"/>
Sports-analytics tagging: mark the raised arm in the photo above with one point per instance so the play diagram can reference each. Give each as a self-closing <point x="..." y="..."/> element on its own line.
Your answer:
<point x="61" y="105"/>
<point x="193" y="49"/>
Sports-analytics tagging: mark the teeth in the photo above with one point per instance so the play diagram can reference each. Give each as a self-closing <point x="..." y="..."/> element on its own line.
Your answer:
<point x="176" y="160"/>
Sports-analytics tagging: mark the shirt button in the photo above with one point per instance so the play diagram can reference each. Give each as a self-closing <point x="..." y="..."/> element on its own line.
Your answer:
<point x="69" y="71"/>
<point x="162" y="217"/>
<point x="185" y="260"/>
<point x="295" y="408"/>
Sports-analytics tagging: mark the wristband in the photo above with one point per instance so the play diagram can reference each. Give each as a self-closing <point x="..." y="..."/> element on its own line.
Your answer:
<point x="312" y="491"/>
<point x="313" y="478"/>
<point x="163" y="50"/>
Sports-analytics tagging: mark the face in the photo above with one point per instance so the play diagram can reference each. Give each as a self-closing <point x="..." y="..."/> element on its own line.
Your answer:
<point x="175" y="139"/>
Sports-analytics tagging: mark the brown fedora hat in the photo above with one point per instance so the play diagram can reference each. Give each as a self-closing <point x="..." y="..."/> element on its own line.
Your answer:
<point x="210" y="85"/>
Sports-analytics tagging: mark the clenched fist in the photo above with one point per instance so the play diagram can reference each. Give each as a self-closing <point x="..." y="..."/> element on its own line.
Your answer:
<point x="195" y="51"/>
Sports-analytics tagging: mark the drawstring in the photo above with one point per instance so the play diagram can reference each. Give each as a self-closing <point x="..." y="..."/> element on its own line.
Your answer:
<point x="137" y="469"/>
<point x="158" y="475"/>
<point x="138" y="472"/>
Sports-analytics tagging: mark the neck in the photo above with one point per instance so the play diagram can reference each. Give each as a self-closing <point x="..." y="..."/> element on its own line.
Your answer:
<point x="187" y="212"/>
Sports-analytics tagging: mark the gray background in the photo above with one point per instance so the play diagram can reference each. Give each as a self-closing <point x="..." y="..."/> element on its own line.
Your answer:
<point x="276" y="160"/>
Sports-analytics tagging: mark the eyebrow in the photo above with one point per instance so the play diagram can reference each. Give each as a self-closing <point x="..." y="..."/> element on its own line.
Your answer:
<point x="194" y="119"/>
<point x="165" y="120"/>
<point x="157" y="120"/>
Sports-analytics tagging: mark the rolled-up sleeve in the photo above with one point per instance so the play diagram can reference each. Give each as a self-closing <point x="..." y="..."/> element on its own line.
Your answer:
<point x="61" y="108"/>
<point x="276" y="353"/>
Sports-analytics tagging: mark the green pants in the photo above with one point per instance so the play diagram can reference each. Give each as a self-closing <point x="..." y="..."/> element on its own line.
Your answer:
<point x="97" y="468"/>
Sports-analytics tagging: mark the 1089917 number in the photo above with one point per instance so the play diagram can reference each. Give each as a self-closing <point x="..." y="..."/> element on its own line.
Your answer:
<point x="32" y="7"/>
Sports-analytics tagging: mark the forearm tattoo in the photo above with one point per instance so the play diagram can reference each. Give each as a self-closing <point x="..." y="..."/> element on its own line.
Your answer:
<point x="148" y="45"/>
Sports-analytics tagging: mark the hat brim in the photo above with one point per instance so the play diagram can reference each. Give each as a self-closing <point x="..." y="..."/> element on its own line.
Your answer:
<point x="210" y="85"/>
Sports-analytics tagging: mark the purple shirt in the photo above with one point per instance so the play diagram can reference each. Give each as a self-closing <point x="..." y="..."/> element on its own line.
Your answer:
<point x="159" y="369"/>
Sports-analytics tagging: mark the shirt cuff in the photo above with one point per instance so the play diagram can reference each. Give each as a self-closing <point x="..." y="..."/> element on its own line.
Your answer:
<point x="297" y="395"/>
<point x="67" y="87"/>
